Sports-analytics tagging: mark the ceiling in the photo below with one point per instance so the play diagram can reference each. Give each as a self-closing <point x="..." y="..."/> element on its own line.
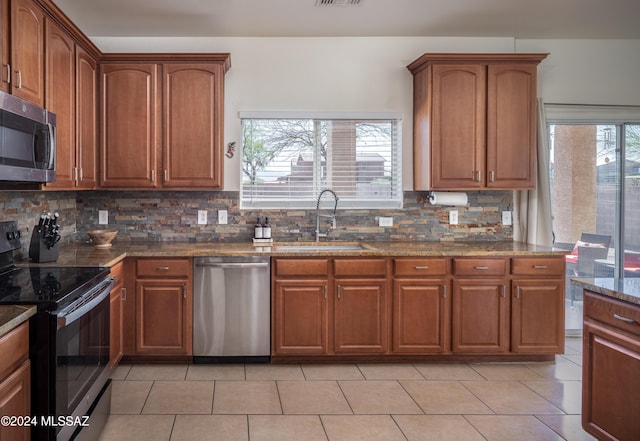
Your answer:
<point x="525" y="19"/>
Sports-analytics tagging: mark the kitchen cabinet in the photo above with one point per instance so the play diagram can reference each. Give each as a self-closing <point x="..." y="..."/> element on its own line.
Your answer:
<point x="71" y="93"/>
<point x="480" y="107"/>
<point x="300" y="323"/>
<point x="537" y="305"/>
<point x="118" y="295"/>
<point x="15" y="381"/>
<point x="421" y="316"/>
<point x="163" y="306"/>
<point x="611" y="368"/>
<point x="480" y="306"/>
<point x="162" y="121"/>
<point x="23" y="67"/>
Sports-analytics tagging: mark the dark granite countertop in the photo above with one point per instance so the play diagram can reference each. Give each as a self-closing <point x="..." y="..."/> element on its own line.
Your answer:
<point x="627" y="289"/>
<point x="83" y="254"/>
<point x="11" y="316"/>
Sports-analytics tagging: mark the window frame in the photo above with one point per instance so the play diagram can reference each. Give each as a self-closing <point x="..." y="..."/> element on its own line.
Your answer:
<point x="395" y="202"/>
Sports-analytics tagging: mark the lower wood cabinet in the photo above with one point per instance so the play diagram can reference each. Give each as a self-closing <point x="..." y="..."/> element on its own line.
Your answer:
<point x="158" y="311"/>
<point x="15" y="381"/>
<point x="611" y="368"/>
<point x="117" y="296"/>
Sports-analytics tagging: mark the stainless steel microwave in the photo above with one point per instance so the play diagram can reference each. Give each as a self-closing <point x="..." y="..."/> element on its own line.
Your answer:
<point x="27" y="141"/>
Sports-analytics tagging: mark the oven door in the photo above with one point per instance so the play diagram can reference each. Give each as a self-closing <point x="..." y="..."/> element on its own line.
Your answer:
<point x="82" y="356"/>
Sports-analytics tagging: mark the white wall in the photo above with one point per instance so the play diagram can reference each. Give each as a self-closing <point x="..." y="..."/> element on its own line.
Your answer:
<point x="369" y="74"/>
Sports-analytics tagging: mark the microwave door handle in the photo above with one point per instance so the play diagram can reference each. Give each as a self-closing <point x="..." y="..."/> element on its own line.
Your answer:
<point x="52" y="146"/>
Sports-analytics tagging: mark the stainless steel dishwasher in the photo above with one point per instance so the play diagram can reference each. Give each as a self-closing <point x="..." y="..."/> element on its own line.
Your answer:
<point x="231" y="309"/>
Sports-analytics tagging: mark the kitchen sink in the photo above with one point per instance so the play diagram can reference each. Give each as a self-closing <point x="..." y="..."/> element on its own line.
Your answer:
<point x="314" y="247"/>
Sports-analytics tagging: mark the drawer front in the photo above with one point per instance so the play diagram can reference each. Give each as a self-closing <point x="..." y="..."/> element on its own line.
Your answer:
<point x="360" y="267"/>
<point x="163" y="267"/>
<point x="14" y="347"/>
<point x="301" y="267"/>
<point x="538" y="266"/>
<point x="419" y="267"/>
<point x="479" y="267"/>
<point x="613" y="312"/>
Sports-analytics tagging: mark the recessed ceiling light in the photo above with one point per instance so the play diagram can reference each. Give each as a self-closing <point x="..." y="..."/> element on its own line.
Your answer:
<point x="337" y="2"/>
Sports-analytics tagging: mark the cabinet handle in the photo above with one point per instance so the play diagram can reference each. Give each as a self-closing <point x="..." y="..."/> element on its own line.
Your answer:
<point x="75" y="173"/>
<point x="81" y="174"/>
<point x="504" y="292"/>
<point x="517" y="292"/>
<point x="184" y="291"/>
<point x="338" y="291"/>
<point x="166" y="175"/>
<point x="325" y="292"/>
<point x="624" y="319"/>
<point x="153" y="176"/>
<point x="481" y="268"/>
<point x="19" y="86"/>
<point x="422" y="267"/>
<point x="478" y="175"/>
<point x="444" y="291"/>
<point x="124" y="294"/>
<point x="492" y="175"/>
<point x="540" y="267"/>
<point x="162" y="268"/>
<point x="8" y="80"/>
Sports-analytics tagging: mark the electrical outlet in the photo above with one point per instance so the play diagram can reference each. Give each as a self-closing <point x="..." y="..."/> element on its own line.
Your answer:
<point x="202" y="217"/>
<point x="103" y="217"/>
<point x="453" y="217"/>
<point x="385" y="222"/>
<point x="506" y="218"/>
<point x="222" y="217"/>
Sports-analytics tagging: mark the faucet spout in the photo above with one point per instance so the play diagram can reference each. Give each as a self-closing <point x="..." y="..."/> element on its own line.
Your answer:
<point x="332" y="216"/>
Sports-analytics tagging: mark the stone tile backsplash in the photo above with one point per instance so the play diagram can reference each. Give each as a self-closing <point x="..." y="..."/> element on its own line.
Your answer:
<point x="172" y="216"/>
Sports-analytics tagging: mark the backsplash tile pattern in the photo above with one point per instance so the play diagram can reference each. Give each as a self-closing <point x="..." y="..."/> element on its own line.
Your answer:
<point x="172" y="216"/>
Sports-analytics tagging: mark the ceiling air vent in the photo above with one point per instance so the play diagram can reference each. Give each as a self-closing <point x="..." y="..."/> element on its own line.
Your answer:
<point x="337" y="2"/>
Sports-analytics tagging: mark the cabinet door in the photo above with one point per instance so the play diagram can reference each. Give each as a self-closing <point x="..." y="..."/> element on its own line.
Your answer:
<point x="458" y="126"/>
<point x="300" y="317"/>
<point x="27" y="51"/>
<point x="421" y="311"/>
<point x="537" y="316"/>
<point x="480" y="316"/>
<point x="86" y="118"/>
<point x="115" y="328"/>
<point x="360" y="316"/>
<point x="511" y="126"/>
<point x="163" y="317"/>
<point x="5" y="38"/>
<point x="129" y="141"/>
<point x="15" y="400"/>
<point x="193" y="142"/>
<point x="610" y="382"/>
<point x="60" y="99"/>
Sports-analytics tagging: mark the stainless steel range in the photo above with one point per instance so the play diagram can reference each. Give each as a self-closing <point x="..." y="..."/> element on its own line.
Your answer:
<point x="68" y="341"/>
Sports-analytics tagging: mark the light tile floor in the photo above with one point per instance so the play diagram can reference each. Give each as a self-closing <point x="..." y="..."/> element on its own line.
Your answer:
<point x="350" y="402"/>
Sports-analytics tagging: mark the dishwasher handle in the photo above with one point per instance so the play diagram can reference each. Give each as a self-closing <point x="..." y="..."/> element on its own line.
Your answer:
<point x="233" y="265"/>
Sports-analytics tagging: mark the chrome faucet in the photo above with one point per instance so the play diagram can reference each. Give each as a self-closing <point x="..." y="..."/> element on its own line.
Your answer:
<point x="331" y="216"/>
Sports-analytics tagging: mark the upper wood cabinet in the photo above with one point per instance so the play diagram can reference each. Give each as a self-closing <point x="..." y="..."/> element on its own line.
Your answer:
<point x="474" y="121"/>
<point x="162" y="121"/>
<point x="25" y="71"/>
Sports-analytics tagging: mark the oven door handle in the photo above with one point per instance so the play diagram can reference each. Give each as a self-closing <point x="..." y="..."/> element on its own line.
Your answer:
<point x="66" y="318"/>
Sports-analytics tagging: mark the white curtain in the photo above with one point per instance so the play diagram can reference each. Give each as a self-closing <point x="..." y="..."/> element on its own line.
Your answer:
<point x="532" y="208"/>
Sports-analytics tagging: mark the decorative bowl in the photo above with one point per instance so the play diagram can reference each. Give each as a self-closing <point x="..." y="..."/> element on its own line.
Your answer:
<point x="102" y="238"/>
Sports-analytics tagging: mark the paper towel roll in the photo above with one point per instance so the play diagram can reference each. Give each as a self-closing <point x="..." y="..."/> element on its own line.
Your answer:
<point x="448" y="198"/>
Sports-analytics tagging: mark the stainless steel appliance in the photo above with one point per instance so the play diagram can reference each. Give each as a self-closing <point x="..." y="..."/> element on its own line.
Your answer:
<point x="27" y="141"/>
<point x="68" y="341"/>
<point x="231" y="309"/>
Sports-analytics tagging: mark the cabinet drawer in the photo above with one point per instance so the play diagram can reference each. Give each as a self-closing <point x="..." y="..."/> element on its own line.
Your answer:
<point x="537" y="266"/>
<point x="419" y="267"/>
<point x="301" y="267"/>
<point x="14" y="347"/>
<point x="613" y="312"/>
<point x="163" y="267"/>
<point x="479" y="267"/>
<point x="360" y="267"/>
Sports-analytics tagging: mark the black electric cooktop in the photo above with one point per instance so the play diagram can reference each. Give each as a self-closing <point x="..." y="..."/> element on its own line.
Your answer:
<point x="48" y="287"/>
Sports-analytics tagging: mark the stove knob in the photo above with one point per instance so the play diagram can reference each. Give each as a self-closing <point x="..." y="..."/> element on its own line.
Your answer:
<point x="18" y="234"/>
<point x="11" y="235"/>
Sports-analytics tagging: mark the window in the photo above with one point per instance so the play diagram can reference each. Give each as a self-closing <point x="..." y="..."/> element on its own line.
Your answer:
<point x="287" y="162"/>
